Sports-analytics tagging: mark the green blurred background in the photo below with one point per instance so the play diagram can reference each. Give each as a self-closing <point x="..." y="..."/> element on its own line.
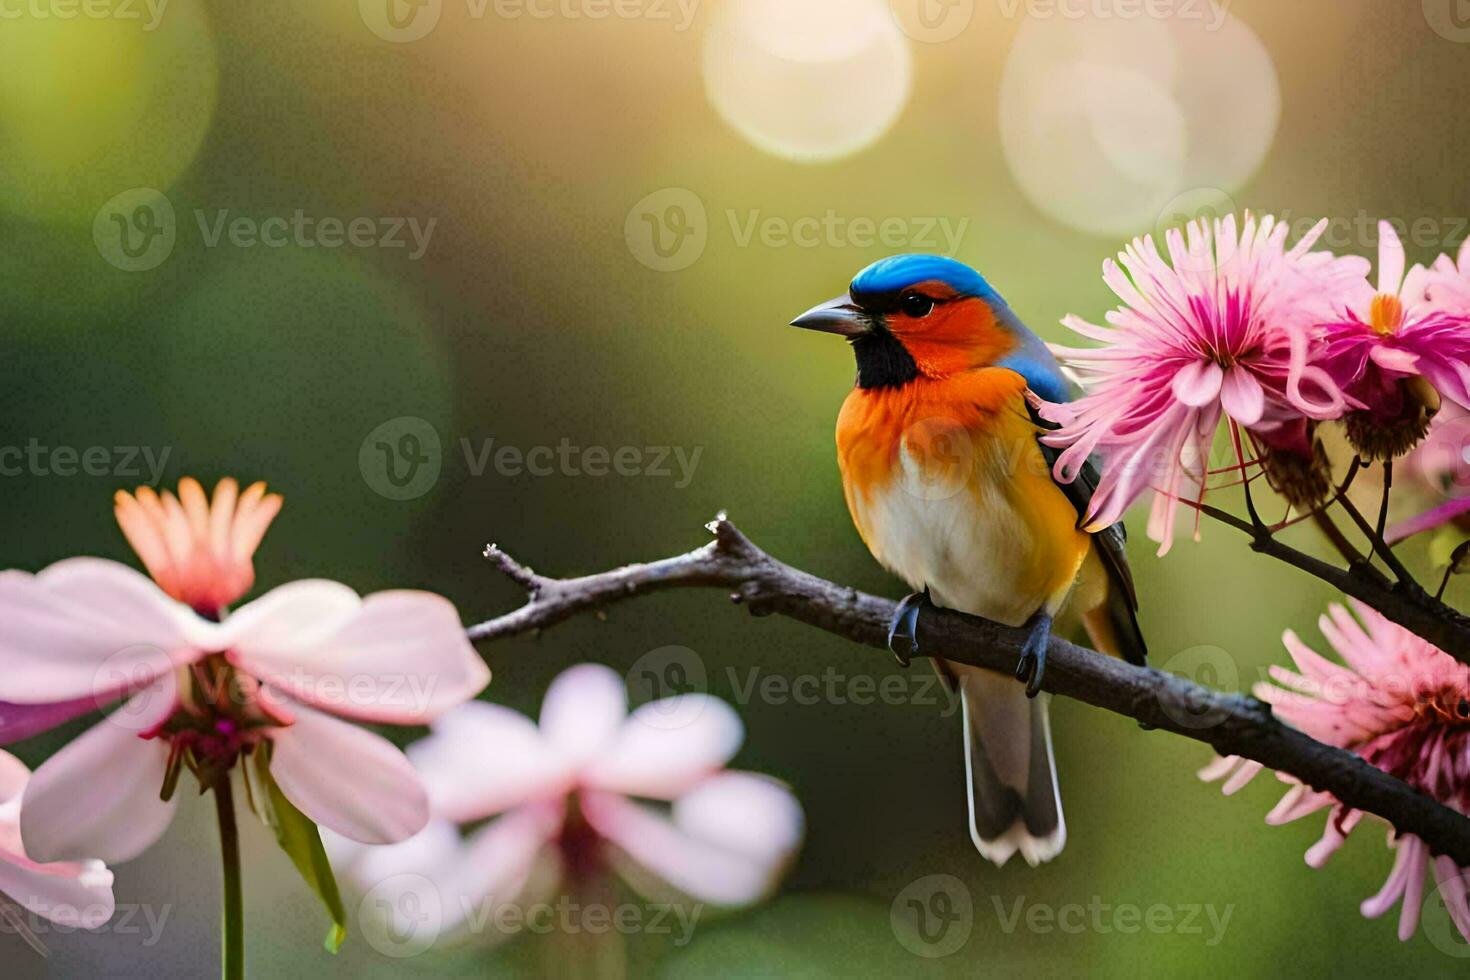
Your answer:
<point x="535" y="315"/>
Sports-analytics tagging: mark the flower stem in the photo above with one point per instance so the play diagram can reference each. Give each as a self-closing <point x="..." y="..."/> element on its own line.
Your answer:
<point x="232" y="965"/>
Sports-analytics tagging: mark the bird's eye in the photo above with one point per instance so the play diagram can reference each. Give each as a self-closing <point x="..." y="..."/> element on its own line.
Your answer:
<point x="916" y="305"/>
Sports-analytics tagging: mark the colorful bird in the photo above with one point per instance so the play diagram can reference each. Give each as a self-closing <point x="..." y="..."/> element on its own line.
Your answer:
<point x="951" y="491"/>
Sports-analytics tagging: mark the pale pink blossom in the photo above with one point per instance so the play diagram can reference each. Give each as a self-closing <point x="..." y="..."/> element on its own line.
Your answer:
<point x="77" y="894"/>
<point x="274" y="676"/>
<point x="1221" y="329"/>
<point x="1404" y="706"/>
<point x="568" y="798"/>
<point x="1449" y="282"/>
<point x="1389" y="332"/>
<point x="1441" y="464"/>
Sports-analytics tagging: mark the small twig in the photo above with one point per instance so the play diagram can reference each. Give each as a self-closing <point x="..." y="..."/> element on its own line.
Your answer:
<point x="1405" y="603"/>
<point x="1383" y="504"/>
<point x="1230" y="723"/>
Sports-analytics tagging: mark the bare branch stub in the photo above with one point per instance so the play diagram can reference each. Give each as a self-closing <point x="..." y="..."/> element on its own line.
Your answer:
<point x="1232" y="724"/>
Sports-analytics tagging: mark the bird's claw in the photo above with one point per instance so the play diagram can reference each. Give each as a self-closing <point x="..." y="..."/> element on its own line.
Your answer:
<point x="1032" y="666"/>
<point x="903" y="632"/>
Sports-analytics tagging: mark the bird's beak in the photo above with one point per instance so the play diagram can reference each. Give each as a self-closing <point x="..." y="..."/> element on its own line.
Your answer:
<point x="840" y="316"/>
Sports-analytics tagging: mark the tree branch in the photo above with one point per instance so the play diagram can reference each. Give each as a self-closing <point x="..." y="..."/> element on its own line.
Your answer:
<point x="1404" y="602"/>
<point x="1232" y="724"/>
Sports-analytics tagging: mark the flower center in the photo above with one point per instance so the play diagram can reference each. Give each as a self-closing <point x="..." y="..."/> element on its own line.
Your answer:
<point x="1386" y="314"/>
<point x="222" y="715"/>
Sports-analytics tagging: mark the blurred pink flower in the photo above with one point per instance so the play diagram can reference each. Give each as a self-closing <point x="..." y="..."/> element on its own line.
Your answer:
<point x="560" y="795"/>
<point x="1442" y="465"/>
<point x="1449" y="282"/>
<point x="1220" y="329"/>
<point x="1386" y="335"/>
<point x="86" y="632"/>
<point x="77" y="894"/>
<point x="1401" y="704"/>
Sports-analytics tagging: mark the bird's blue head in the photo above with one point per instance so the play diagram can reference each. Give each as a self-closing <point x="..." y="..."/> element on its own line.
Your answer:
<point x="927" y="315"/>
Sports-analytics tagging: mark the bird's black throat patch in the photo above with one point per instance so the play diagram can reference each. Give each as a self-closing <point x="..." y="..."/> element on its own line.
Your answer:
<point x="882" y="360"/>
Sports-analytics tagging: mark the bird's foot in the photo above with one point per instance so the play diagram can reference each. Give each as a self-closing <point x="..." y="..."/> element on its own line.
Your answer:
<point x="903" y="632"/>
<point x="1032" y="666"/>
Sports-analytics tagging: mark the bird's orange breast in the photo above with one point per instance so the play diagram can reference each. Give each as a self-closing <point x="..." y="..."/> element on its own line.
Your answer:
<point x="949" y="489"/>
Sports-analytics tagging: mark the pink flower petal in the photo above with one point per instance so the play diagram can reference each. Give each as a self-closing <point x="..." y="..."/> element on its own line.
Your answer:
<point x="583" y="710"/>
<point x="1390" y="259"/>
<point x="436" y="886"/>
<point x="395" y="657"/>
<point x="22" y="721"/>
<point x="348" y="779"/>
<point x="1394" y="359"/>
<point x="483" y="758"/>
<point x="727" y="842"/>
<point x="1198" y="383"/>
<point x="87" y="628"/>
<point x="77" y="895"/>
<point x="98" y="797"/>
<point x="14" y="775"/>
<point x="666" y="746"/>
<point x="511" y="861"/>
<point x="1242" y="397"/>
<point x="290" y="620"/>
<point x="1427" y="521"/>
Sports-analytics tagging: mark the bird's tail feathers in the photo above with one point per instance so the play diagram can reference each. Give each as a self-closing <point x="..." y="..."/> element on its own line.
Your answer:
<point x="1015" y="806"/>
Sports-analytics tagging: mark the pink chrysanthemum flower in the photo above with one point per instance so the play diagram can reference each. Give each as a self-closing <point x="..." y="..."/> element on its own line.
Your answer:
<point x="1449" y="282"/>
<point x="1382" y="342"/>
<point x="203" y="690"/>
<point x="1213" y="331"/>
<point x="562" y="795"/>
<point x="1404" y="706"/>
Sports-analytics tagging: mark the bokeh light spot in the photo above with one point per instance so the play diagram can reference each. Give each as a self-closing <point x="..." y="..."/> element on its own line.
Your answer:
<point x="93" y="105"/>
<point x="816" y="80"/>
<point x="1106" y="120"/>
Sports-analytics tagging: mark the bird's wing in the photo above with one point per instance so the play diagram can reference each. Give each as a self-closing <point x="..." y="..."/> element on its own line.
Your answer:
<point x="1119" y="612"/>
